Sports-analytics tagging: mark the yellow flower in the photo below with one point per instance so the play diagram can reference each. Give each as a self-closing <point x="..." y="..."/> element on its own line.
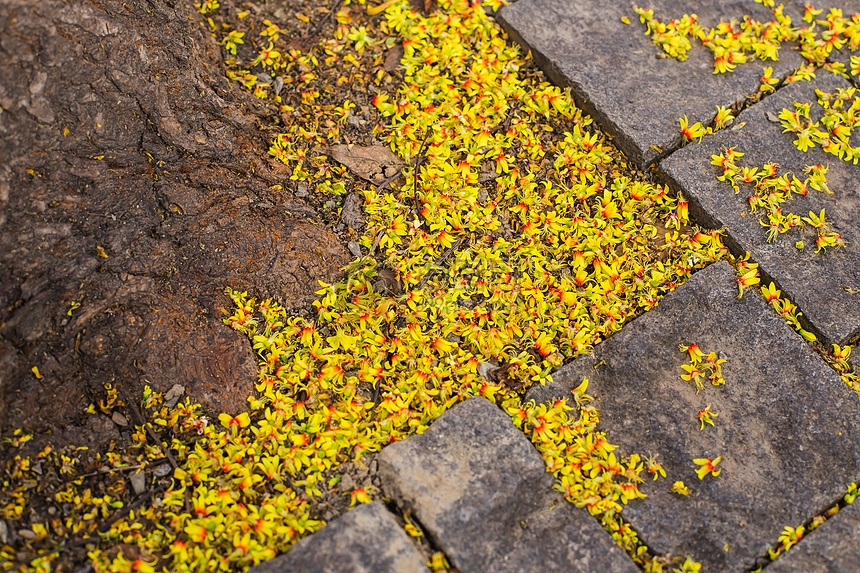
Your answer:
<point x="359" y="495"/>
<point x="708" y="466"/>
<point x="196" y="533"/>
<point x="679" y="488"/>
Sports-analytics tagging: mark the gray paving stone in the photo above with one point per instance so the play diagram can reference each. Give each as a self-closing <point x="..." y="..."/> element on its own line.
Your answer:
<point x="834" y="547"/>
<point x="365" y="540"/>
<point x="616" y="75"/>
<point x="788" y="428"/>
<point x="826" y="286"/>
<point x="481" y="490"/>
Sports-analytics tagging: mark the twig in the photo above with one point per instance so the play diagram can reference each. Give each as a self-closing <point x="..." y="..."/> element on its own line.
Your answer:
<point x="417" y="170"/>
<point x="153" y="464"/>
<point x="163" y="446"/>
<point x="146" y="425"/>
<point x="375" y="399"/>
<point x="385" y="183"/>
<point x="104" y="527"/>
<point x="324" y="21"/>
<point x="376" y="242"/>
<point x="441" y="260"/>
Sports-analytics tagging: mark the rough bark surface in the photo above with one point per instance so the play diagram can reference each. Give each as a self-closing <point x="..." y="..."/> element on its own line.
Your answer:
<point x="132" y="181"/>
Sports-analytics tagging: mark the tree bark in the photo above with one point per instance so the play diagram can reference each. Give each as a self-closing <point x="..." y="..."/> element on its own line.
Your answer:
<point x="133" y="182"/>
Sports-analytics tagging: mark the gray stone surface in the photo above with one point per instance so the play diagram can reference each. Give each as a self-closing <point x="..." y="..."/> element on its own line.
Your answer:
<point x="367" y="539"/>
<point x="788" y="428"/>
<point x="826" y="286"/>
<point x="481" y="490"/>
<point x="615" y="73"/>
<point x="834" y="547"/>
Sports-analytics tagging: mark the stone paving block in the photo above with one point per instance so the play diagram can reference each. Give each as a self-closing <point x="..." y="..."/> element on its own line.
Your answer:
<point x="481" y="491"/>
<point x="367" y="539"/>
<point x="834" y="547"/>
<point x="788" y="428"/>
<point x="826" y="286"/>
<point x="615" y="73"/>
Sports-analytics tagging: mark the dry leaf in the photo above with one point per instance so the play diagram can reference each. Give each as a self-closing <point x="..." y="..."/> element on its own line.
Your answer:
<point x="301" y="43"/>
<point x="373" y="163"/>
<point x="392" y="58"/>
<point x="426" y="5"/>
<point x="387" y="283"/>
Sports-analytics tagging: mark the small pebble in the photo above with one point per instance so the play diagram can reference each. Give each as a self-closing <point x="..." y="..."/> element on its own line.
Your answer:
<point x="4" y="533"/>
<point x="138" y="482"/>
<point x="351" y="214"/>
<point x="162" y="470"/>
<point x="173" y="395"/>
<point x="354" y="248"/>
<point x="484" y="369"/>
<point x="387" y="283"/>
<point x="119" y="419"/>
<point x="330" y="204"/>
<point x="374" y="466"/>
<point x="347" y="483"/>
<point x="278" y="85"/>
<point x="264" y="78"/>
<point x="26" y="534"/>
<point x="302" y="190"/>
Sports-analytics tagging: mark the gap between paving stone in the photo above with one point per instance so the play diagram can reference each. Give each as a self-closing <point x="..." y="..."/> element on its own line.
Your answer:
<point x="616" y="76"/>
<point x="833" y="547"/>
<point x="482" y="491"/>
<point x="737" y="107"/>
<point x="818" y="283"/>
<point x="788" y="427"/>
<point x="765" y="560"/>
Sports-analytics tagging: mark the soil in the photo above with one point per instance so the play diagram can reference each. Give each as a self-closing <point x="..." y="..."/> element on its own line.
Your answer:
<point x="134" y="182"/>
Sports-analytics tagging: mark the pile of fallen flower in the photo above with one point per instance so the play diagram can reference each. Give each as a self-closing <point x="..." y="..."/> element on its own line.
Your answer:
<point x="508" y="238"/>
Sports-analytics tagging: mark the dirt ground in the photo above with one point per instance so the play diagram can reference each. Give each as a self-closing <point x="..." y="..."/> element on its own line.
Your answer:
<point x="134" y="187"/>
